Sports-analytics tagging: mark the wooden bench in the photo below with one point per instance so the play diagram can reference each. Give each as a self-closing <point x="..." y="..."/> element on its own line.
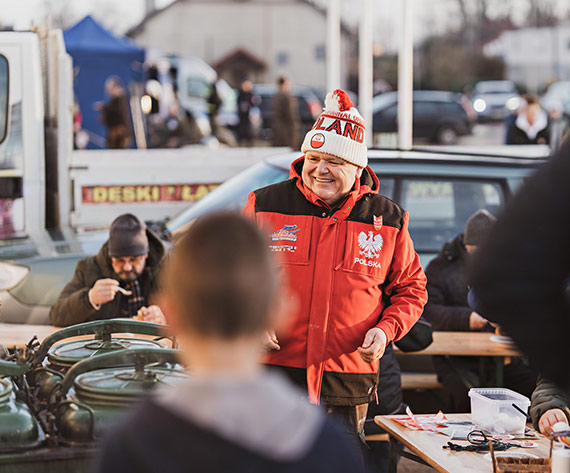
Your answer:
<point x="422" y="381"/>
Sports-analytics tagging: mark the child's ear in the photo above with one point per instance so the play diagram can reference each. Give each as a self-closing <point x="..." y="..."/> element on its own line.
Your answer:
<point x="171" y="314"/>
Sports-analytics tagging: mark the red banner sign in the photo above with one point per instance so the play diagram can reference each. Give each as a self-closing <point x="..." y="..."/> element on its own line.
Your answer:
<point x="145" y="193"/>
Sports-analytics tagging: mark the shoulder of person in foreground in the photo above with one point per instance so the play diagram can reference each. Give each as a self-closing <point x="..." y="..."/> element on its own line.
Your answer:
<point x="152" y="438"/>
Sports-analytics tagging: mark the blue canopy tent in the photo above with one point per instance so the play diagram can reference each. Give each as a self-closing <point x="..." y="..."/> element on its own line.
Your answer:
<point x="98" y="54"/>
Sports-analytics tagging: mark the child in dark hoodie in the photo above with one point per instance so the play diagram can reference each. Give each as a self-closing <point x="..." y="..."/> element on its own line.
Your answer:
<point x="221" y="297"/>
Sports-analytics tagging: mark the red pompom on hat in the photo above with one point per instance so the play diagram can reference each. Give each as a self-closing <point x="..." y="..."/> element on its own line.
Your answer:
<point x="339" y="130"/>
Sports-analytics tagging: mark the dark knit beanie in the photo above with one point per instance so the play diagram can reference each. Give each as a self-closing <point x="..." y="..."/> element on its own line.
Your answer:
<point x="478" y="227"/>
<point x="127" y="237"/>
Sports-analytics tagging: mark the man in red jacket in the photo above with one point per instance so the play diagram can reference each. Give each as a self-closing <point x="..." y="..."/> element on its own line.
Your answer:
<point x="350" y="262"/>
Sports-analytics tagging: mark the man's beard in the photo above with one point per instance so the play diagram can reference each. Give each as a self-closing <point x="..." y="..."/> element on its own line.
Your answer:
<point x="128" y="276"/>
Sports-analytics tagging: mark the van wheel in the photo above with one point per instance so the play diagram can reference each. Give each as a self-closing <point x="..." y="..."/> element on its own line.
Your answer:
<point x="446" y="135"/>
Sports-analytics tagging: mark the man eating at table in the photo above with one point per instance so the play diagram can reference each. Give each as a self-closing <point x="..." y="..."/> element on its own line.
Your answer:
<point x="120" y="281"/>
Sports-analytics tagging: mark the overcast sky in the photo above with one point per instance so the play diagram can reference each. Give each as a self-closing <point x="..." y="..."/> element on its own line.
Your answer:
<point x="119" y="15"/>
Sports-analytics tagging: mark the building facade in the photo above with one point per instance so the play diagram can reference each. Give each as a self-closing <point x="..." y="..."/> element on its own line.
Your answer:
<point x="257" y="39"/>
<point x="534" y="57"/>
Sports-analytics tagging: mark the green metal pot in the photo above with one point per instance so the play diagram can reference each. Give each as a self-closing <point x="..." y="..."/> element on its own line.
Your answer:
<point x="95" y="393"/>
<point x="54" y="358"/>
<point x="18" y="428"/>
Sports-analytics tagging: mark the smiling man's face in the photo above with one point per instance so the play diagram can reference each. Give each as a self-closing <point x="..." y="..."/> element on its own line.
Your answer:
<point x="328" y="176"/>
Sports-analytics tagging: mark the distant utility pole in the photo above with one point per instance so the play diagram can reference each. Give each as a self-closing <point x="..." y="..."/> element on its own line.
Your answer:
<point x="405" y="78"/>
<point x="365" y="68"/>
<point x="333" y="45"/>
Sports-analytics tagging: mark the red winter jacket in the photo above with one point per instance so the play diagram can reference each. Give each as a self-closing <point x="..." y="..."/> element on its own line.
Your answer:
<point x="350" y="268"/>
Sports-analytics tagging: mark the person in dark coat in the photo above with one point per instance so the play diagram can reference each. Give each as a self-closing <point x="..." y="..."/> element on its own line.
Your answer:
<point x="549" y="405"/>
<point x="230" y="415"/>
<point x="530" y="126"/>
<point x="120" y="281"/>
<point x="245" y="102"/>
<point x="115" y="115"/>
<point x="522" y="274"/>
<point x="447" y="309"/>
<point x="285" y="118"/>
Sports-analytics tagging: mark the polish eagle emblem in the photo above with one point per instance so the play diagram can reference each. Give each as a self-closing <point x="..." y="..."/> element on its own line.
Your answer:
<point x="370" y="245"/>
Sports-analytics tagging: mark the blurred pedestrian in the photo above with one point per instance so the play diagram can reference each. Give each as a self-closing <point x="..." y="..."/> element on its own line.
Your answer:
<point x="448" y="309"/>
<point x="285" y="117"/>
<point x="115" y="116"/>
<point x="522" y="274"/>
<point x="245" y="102"/>
<point x="530" y="126"/>
<point x="350" y="261"/>
<point x="229" y="415"/>
<point x="214" y="105"/>
<point x="559" y="126"/>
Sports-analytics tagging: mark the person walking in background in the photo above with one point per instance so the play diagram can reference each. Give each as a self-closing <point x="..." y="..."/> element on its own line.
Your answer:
<point x="214" y="105"/>
<point x="230" y="415"/>
<point x="530" y="127"/>
<point x="285" y="118"/>
<point x="448" y="309"/>
<point x="245" y="102"/>
<point x="349" y="259"/>
<point x="115" y="116"/>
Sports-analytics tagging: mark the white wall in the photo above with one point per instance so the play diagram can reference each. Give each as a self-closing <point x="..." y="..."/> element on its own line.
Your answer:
<point x="266" y="29"/>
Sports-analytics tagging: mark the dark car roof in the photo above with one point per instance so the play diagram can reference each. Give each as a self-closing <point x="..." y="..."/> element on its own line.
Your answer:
<point x="389" y="98"/>
<point x="500" y="156"/>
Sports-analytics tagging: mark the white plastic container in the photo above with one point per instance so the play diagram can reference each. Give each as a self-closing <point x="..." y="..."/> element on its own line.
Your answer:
<point x="492" y="410"/>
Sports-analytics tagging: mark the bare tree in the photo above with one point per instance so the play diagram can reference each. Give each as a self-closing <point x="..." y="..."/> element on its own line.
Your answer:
<point x="57" y="13"/>
<point x="542" y="13"/>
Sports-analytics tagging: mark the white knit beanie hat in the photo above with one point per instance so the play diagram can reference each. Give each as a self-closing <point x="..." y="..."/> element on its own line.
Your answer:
<point x="339" y="131"/>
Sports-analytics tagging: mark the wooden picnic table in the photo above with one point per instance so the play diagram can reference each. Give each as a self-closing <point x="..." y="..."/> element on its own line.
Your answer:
<point x="426" y="448"/>
<point x="18" y="335"/>
<point x="466" y="344"/>
<point x="481" y="344"/>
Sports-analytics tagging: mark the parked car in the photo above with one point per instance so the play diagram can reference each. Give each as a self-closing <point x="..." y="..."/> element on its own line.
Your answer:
<point x="437" y="116"/>
<point x="440" y="189"/>
<point x="495" y="99"/>
<point x="557" y="96"/>
<point x="309" y="106"/>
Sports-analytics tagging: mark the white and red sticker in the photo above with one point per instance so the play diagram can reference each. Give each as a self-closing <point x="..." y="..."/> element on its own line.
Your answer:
<point x="318" y="140"/>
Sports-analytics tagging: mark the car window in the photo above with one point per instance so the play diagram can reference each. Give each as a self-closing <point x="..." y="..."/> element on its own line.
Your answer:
<point x="46" y="280"/>
<point x="197" y="87"/>
<point x="424" y="109"/>
<point x="387" y="187"/>
<point x="451" y="108"/>
<point x="440" y="208"/>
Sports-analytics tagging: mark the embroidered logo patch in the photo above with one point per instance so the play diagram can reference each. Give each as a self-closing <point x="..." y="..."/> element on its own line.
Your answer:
<point x="318" y="140"/>
<point x="378" y="222"/>
<point x="287" y="233"/>
<point x="370" y="245"/>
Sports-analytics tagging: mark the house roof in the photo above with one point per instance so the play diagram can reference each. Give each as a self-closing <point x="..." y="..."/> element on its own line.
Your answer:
<point x="140" y="27"/>
<point x="238" y="55"/>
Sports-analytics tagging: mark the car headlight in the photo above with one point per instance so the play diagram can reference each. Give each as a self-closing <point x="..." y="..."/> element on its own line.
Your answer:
<point x="513" y="103"/>
<point x="479" y="105"/>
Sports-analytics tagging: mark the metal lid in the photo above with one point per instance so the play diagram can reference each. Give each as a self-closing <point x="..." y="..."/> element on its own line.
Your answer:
<point x="68" y="353"/>
<point x="120" y="386"/>
<point x="5" y="391"/>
